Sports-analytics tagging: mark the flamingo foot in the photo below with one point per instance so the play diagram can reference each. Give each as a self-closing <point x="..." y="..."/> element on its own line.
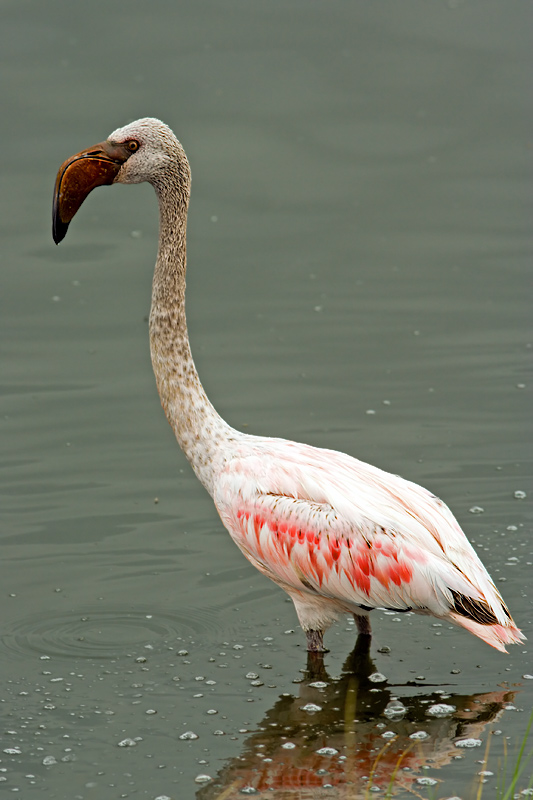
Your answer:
<point x="315" y="642"/>
<point x="363" y="624"/>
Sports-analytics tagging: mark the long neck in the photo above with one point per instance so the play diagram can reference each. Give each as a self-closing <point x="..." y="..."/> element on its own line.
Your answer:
<point x="199" y="430"/>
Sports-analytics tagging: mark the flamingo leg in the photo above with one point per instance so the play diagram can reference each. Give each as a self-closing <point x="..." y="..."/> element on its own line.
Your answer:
<point x="315" y="642"/>
<point x="315" y="670"/>
<point x="363" y="624"/>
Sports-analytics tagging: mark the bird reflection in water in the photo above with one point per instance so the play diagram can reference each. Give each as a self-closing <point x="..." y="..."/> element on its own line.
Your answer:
<point x="363" y="732"/>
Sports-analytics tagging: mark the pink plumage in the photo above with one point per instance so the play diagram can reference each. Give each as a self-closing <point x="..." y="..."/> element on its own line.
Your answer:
<point x="339" y="535"/>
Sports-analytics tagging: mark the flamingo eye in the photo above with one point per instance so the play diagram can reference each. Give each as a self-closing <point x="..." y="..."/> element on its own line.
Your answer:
<point x="132" y="145"/>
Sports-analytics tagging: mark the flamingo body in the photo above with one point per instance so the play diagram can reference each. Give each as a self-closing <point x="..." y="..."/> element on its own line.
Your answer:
<point x="338" y="535"/>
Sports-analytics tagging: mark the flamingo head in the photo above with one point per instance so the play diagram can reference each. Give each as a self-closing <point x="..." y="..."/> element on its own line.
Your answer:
<point x="145" y="150"/>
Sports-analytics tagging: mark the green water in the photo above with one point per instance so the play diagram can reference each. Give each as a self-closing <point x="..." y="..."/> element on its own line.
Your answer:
<point x="359" y="241"/>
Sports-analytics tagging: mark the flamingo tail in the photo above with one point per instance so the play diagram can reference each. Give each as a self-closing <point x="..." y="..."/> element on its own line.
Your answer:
<point x="495" y="635"/>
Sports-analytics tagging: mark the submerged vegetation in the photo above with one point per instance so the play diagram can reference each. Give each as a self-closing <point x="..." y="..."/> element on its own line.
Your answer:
<point x="514" y="779"/>
<point x="508" y="785"/>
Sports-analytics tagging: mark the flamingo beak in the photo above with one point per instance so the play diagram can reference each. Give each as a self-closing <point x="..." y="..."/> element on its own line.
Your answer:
<point x="79" y="175"/>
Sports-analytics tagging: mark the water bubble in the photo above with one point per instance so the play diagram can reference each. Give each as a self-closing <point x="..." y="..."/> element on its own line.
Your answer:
<point x="49" y="760"/>
<point x="469" y="743"/>
<point x="311" y="708"/>
<point x="251" y="676"/>
<point x="13" y="751"/>
<point x="288" y="746"/>
<point x="327" y="751"/>
<point x="426" y="781"/>
<point x="476" y="510"/>
<point x="388" y="735"/>
<point x="212" y="711"/>
<point x="249" y="790"/>
<point x="394" y="710"/>
<point x="318" y="685"/>
<point x="419" y="735"/>
<point x="189" y="735"/>
<point x="202" y="779"/>
<point x="127" y="743"/>
<point x="257" y="683"/>
<point x="528" y="677"/>
<point x="377" y="677"/>
<point x="440" y="710"/>
<point x="519" y="495"/>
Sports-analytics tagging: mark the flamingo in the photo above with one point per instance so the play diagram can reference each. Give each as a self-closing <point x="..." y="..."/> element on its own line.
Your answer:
<point x="337" y="534"/>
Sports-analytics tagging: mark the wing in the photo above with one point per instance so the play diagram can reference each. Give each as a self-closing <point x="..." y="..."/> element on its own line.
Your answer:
<point x="319" y="521"/>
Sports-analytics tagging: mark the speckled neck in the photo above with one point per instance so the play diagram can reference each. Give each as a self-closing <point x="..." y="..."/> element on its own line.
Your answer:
<point x="199" y="429"/>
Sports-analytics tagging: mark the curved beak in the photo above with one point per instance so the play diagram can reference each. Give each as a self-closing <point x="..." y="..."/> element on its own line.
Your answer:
<point x="79" y="175"/>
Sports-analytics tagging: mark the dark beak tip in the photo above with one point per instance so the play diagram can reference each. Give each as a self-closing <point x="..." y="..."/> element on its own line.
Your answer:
<point x="59" y="232"/>
<point x="59" y="228"/>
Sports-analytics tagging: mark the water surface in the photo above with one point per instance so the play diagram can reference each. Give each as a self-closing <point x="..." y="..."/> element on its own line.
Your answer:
<point x="359" y="278"/>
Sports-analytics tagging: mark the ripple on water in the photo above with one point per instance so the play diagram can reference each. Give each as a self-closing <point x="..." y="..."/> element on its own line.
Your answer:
<point x="100" y="633"/>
